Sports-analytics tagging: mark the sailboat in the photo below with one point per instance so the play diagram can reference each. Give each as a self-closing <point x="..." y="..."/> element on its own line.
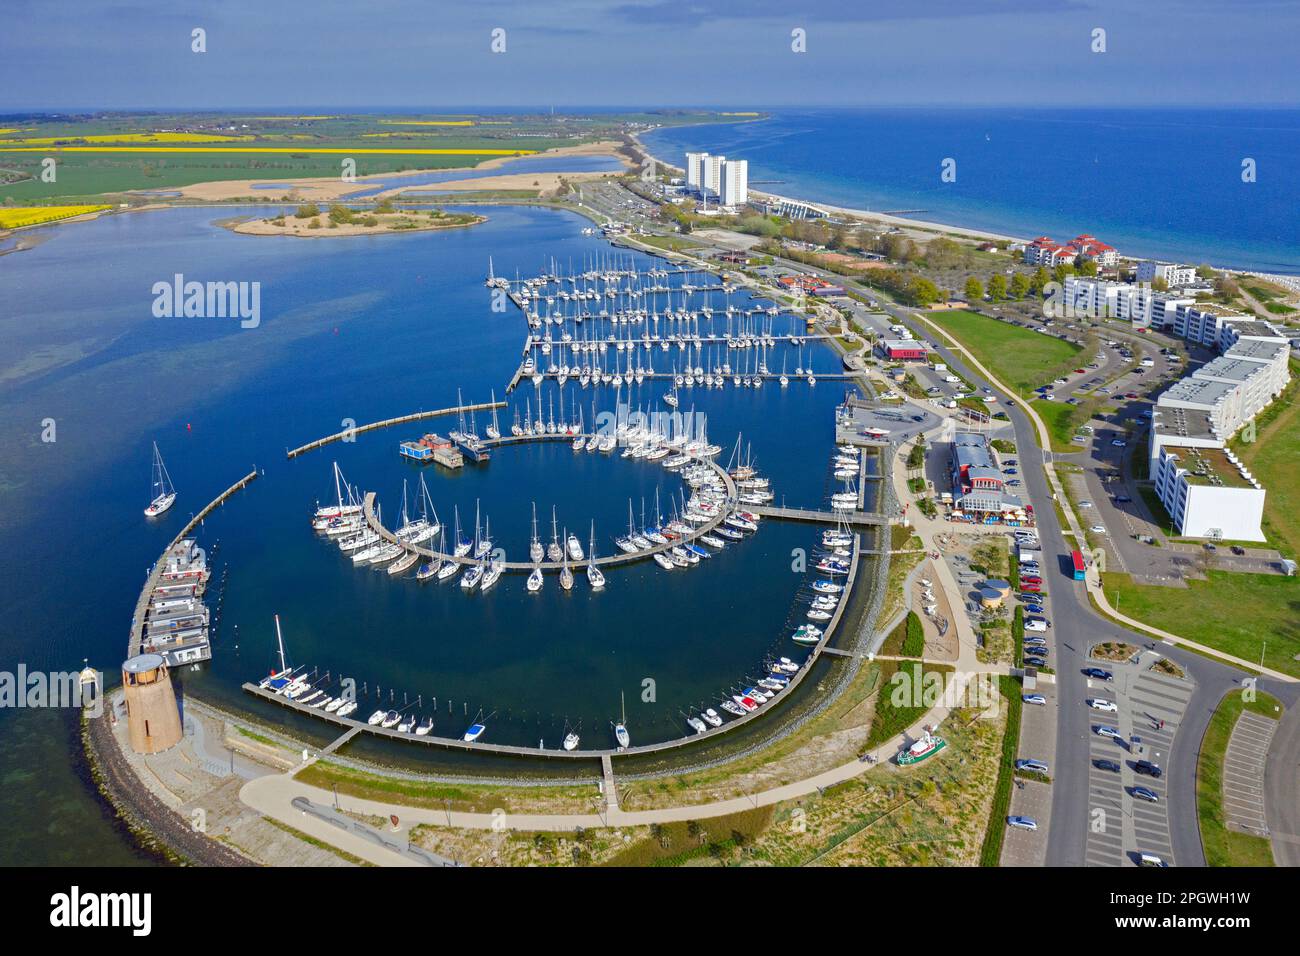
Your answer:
<point x="535" y="550"/>
<point x="493" y="430"/>
<point x="620" y="729"/>
<point x="164" y="495"/>
<point x="554" y="551"/>
<point x="566" y="576"/>
<point x="535" y="581"/>
<point x="595" y="577"/>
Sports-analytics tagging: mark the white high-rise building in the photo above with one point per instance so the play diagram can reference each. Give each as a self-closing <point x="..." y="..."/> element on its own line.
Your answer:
<point x="695" y="170"/>
<point x="735" y="183"/>
<point x="711" y="183"/>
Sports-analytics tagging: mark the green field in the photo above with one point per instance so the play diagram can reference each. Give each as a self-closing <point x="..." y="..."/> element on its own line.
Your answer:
<point x="1274" y="458"/>
<point x="1240" y="614"/>
<point x="1020" y="358"/>
<point x="1224" y="847"/>
<point x="1062" y="421"/>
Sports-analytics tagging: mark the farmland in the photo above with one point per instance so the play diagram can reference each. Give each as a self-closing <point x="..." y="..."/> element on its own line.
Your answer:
<point x="35" y="215"/>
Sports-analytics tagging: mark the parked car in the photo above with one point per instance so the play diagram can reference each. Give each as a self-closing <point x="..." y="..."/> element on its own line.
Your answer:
<point x="1085" y="504"/>
<point x="1034" y="699"/>
<point x="1098" y="529"/>
<point x="1150" y="769"/>
<point x="1142" y="793"/>
<point x="1038" y="662"/>
<point x="1118" y="442"/>
<point x="1014" y="483"/>
<point x="1123" y="499"/>
<point x="1238" y="549"/>
<point x="1101" y="730"/>
<point x="1022" y="823"/>
<point x="1109" y="706"/>
<point x="1110" y="765"/>
<point x="1033" y="766"/>
<point x="1030" y="579"/>
<point x="1098" y="674"/>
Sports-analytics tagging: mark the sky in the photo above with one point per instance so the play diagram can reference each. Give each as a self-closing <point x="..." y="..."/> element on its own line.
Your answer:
<point x="413" y="54"/>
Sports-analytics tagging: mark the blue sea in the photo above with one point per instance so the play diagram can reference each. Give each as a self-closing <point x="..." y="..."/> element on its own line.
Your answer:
<point x="1152" y="182"/>
<point x="359" y="328"/>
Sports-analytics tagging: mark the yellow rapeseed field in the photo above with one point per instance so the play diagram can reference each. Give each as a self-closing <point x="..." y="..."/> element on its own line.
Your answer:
<point x="384" y="122"/>
<point x="303" y="150"/>
<point x="34" y="215"/>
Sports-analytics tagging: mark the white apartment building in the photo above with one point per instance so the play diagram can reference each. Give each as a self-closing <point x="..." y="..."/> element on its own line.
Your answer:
<point x="711" y="175"/>
<point x="1138" y="304"/>
<point x="695" y="170"/>
<point x="1209" y="494"/>
<point x="1174" y="275"/>
<point x="735" y="183"/>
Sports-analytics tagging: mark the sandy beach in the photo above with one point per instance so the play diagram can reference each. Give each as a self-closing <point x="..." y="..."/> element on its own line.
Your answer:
<point x="395" y="224"/>
<point x="332" y="189"/>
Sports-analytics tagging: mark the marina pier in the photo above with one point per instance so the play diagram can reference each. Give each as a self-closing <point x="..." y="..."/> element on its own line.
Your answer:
<point x="399" y="420"/>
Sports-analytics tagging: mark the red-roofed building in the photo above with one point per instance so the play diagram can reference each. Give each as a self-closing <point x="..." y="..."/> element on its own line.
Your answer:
<point x="1045" y="251"/>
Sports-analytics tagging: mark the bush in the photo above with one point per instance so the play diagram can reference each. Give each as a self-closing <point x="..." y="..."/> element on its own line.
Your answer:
<point x="307" y="211"/>
<point x="914" y="642"/>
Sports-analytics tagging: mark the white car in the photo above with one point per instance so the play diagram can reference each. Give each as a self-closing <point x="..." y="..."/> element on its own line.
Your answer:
<point x="1117" y="443"/>
<point x="1098" y="529"/>
<point x="1085" y="504"/>
<point x="1033" y="766"/>
<point x="1034" y="699"/>
<point x="1111" y="732"/>
<point x="1109" y="706"/>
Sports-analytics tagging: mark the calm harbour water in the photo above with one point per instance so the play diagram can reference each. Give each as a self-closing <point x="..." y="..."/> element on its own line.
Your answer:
<point x="361" y="329"/>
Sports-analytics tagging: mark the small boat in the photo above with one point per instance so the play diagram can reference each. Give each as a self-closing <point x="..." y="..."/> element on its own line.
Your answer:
<point x="620" y="729"/>
<point x="535" y="580"/>
<point x="474" y="732"/>
<point x="827" y="587"/>
<point x="566" y="576"/>
<point x="472" y="577"/>
<point x="663" y="561"/>
<point x="406" y="724"/>
<point x="426" y="571"/>
<point x="806" y="634"/>
<point x="391" y="719"/>
<point x="712" y="717"/>
<point x="425" y="727"/>
<point x="449" y="569"/>
<point x="493" y="573"/>
<point x="817" y="614"/>
<point x="732" y="707"/>
<point x="574" y="547"/>
<point x="571" y="741"/>
<point x="348" y="708"/>
<point x="785" y="664"/>
<point x="164" y="495"/>
<point x="403" y="563"/>
<point x="927" y="746"/>
<point x="376" y="717"/>
<point x="696" y="724"/>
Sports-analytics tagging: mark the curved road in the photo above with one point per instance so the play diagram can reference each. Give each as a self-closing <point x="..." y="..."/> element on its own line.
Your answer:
<point x="1076" y="626"/>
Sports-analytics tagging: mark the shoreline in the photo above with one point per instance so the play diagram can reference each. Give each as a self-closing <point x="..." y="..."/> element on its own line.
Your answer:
<point x="1288" y="279"/>
<point x="331" y="188"/>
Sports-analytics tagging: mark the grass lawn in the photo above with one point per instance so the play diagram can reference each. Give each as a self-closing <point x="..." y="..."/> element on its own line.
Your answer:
<point x="901" y="704"/>
<point x="1240" y="614"/>
<point x="1020" y="358"/>
<point x="1224" y="847"/>
<point x="1062" y="422"/>
<point x="1273" y="459"/>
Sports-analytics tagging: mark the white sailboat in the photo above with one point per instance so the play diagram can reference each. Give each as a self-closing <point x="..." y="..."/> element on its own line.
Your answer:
<point x="595" y="577"/>
<point x="164" y="495"/>
<point x="566" y="576"/>
<point x="620" y="729"/>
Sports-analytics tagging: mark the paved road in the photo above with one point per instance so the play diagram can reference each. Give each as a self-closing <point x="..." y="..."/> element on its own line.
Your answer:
<point x="1281" y="785"/>
<point x="1076" y="627"/>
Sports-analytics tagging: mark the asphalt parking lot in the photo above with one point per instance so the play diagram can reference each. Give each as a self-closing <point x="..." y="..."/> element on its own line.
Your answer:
<point x="1243" y="773"/>
<point x="1031" y="798"/>
<point x="1121" y="826"/>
